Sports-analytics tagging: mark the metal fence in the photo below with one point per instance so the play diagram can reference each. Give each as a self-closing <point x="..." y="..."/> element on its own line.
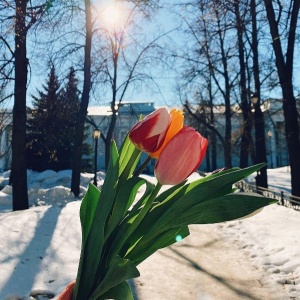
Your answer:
<point x="283" y="198"/>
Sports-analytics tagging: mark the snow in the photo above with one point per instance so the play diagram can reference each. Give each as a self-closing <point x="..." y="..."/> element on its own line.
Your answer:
<point x="40" y="247"/>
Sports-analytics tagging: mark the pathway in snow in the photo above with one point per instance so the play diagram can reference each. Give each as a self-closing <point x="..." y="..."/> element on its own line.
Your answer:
<point x="204" y="266"/>
<point x="208" y="265"/>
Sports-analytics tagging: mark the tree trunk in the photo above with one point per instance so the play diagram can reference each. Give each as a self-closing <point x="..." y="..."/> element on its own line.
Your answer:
<point x="211" y="164"/>
<point x="213" y="140"/>
<point x="80" y="122"/>
<point x="113" y="104"/>
<point x="292" y="135"/>
<point x="260" y="138"/>
<point x="228" y="129"/>
<point x="226" y="94"/>
<point x="284" y="64"/>
<point x="246" y="126"/>
<point x="18" y="166"/>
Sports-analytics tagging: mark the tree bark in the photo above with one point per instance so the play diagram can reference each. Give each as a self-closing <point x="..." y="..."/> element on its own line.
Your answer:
<point x="81" y="116"/>
<point x="226" y="92"/>
<point x="18" y="166"/>
<point x="112" y="124"/>
<point x="246" y="126"/>
<point x="260" y="138"/>
<point x="213" y="140"/>
<point x="228" y="112"/>
<point x="284" y="64"/>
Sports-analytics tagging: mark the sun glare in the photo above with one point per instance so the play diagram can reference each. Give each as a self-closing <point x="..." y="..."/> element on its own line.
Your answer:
<point x="112" y="14"/>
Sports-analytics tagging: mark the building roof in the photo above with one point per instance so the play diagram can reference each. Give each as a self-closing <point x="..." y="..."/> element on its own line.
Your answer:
<point x="99" y="111"/>
<point x="127" y="107"/>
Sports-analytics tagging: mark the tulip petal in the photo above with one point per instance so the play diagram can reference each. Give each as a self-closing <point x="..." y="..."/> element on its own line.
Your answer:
<point x="153" y="124"/>
<point x="175" y="126"/>
<point x="181" y="156"/>
<point x="151" y="144"/>
<point x="149" y="134"/>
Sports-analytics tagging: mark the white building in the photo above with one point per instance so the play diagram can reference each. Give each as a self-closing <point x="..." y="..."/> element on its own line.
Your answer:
<point x="130" y="112"/>
<point x="128" y="115"/>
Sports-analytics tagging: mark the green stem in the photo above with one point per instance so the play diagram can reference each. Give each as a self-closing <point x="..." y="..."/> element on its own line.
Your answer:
<point x="143" y="166"/>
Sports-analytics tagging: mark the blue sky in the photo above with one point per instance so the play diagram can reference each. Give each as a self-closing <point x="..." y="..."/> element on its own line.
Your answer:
<point x="165" y="80"/>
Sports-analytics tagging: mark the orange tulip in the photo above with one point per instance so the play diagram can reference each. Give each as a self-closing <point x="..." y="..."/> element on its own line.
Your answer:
<point x="153" y="132"/>
<point x="181" y="156"/>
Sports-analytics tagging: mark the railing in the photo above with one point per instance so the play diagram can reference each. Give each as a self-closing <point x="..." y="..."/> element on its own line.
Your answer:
<point x="283" y="198"/>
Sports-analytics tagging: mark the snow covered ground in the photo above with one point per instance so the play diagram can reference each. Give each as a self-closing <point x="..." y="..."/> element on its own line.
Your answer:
<point x="40" y="247"/>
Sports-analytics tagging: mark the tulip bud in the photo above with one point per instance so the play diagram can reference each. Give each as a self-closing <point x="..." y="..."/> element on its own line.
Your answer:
<point x="153" y="132"/>
<point x="148" y="135"/>
<point x="180" y="157"/>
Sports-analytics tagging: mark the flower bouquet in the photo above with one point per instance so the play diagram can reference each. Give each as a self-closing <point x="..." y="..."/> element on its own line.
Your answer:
<point x="120" y="230"/>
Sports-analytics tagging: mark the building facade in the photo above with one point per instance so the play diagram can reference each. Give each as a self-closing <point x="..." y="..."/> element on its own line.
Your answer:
<point x="130" y="112"/>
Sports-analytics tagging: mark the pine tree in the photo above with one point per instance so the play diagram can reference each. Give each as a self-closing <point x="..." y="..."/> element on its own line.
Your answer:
<point x="71" y="103"/>
<point x="41" y="125"/>
<point x="51" y="127"/>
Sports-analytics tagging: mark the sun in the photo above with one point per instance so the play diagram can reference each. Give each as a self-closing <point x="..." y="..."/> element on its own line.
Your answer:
<point x="111" y="14"/>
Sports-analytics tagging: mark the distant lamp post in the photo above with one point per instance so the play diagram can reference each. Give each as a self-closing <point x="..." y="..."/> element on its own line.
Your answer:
<point x="254" y="98"/>
<point x="270" y="142"/>
<point x="96" y="136"/>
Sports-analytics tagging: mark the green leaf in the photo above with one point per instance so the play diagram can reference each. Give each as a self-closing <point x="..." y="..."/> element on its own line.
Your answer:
<point x="91" y="251"/>
<point x="119" y="292"/>
<point x="119" y="271"/>
<point x="161" y="204"/>
<point x="149" y="189"/>
<point x="87" y="210"/>
<point x="165" y="239"/>
<point x="125" y="152"/>
<point x="202" y="190"/>
<point x="124" y="200"/>
<point x="130" y="222"/>
<point x="225" y="208"/>
<point x="164" y="216"/>
<point x="171" y="193"/>
<point x="129" y="158"/>
<point x="234" y="174"/>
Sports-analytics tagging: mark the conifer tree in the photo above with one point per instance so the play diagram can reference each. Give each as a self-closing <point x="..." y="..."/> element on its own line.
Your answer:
<point x="71" y="104"/>
<point x="42" y="125"/>
<point x="51" y="126"/>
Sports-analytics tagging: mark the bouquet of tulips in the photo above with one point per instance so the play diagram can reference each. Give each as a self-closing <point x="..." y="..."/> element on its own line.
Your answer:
<point x="120" y="231"/>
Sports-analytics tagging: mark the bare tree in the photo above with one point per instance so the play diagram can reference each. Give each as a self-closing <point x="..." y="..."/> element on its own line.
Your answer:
<point x="18" y="168"/>
<point x="125" y="63"/>
<point x="116" y="45"/>
<point x="212" y="53"/>
<point x="79" y="129"/>
<point x="259" y="123"/>
<point x="245" y="105"/>
<point x="283" y="18"/>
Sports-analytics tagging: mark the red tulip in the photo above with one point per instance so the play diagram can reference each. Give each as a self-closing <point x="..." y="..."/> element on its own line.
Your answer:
<point x="181" y="156"/>
<point x="149" y="134"/>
